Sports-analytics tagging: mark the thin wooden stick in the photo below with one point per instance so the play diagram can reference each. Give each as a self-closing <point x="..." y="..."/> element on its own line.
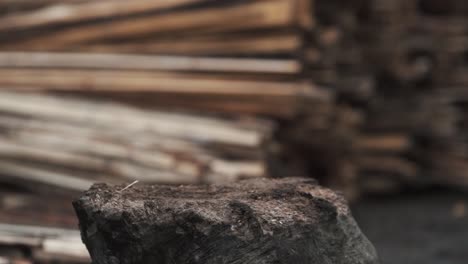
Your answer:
<point x="130" y="185"/>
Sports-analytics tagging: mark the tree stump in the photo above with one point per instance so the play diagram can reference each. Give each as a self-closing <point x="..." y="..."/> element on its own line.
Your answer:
<point x="261" y="221"/>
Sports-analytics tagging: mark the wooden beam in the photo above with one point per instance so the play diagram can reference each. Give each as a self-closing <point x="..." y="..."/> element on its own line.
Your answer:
<point x="145" y="62"/>
<point x="128" y="81"/>
<point x="238" y="44"/>
<point x="262" y="14"/>
<point x="82" y="11"/>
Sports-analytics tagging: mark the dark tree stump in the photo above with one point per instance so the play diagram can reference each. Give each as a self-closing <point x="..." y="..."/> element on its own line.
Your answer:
<point x="289" y="221"/>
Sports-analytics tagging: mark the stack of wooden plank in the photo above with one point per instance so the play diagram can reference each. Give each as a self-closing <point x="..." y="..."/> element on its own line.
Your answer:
<point x="71" y="143"/>
<point x="38" y="228"/>
<point x="414" y="132"/>
<point x="184" y="27"/>
<point x="52" y="148"/>
<point x="33" y="244"/>
<point x="369" y="95"/>
<point x="241" y="56"/>
<point x="244" y="77"/>
<point x="238" y="57"/>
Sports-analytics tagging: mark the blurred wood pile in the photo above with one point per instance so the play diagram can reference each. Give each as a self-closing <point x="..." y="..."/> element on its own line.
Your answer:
<point x="238" y="58"/>
<point x="71" y="143"/>
<point x="367" y="95"/>
<point x="413" y="56"/>
<point x="52" y="148"/>
<point x="23" y="244"/>
<point x="241" y="77"/>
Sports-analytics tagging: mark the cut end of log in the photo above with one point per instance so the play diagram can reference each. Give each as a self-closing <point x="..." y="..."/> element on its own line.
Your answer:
<point x="288" y="220"/>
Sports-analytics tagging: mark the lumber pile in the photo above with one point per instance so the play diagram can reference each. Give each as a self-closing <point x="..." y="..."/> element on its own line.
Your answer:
<point x="71" y="143"/>
<point x="268" y="58"/>
<point x="414" y="54"/>
<point x="31" y="244"/>
<point x="366" y="95"/>
<point x="52" y="148"/>
<point x="246" y="81"/>
<point x="38" y="228"/>
<point x="371" y="89"/>
<point x="181" y="27"/>
<point x="219" y="56"/>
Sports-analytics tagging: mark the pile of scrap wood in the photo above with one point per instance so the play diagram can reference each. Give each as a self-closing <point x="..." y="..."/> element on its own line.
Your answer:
<point x="415" y="55"/>
<point x="52" y="148"/>
<point x="71" y="143"/>
<point x="242" y="77"/>
<point x="38" y="227"/>
<point x="370" y="95"/>
<point x="33" y="244"/>
<point x="238" y="57"/>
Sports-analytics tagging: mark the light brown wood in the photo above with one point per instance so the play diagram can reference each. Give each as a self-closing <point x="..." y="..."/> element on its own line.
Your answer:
<point x="81" y="12"/>
<point x="69" y="143"/>
<point x="383" y="143"/>
<point x="261" y="14"/>
<point x="145" y="62"/>
<point x="115" y="81"/>
<point x="388" y="164"/>
<point x="264" y="44"/>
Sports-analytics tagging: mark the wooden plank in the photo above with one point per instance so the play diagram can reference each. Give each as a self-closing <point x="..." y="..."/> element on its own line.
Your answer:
<point x="107" y="115"/>
<point x="81" y="12"/>
<point x="262" y="14"/>
<point x="304" y="11"/>
<point x="40" y="176"/>
<point x="127" y="81"/>
<point x="145" y="62"/>
<point x="226" y="45"/>
<point x="393" y="165"/>
<point x="51" y="141"/>
<point x="383" y="143"/>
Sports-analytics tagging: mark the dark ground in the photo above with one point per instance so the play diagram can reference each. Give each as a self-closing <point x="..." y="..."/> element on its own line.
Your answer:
<point x="429" y="227"/>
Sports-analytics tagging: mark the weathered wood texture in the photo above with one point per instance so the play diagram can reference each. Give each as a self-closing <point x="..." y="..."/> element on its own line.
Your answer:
<point x="71" y="143"/>
<point x="240" y="59"/>
<point x="254" y="221"/>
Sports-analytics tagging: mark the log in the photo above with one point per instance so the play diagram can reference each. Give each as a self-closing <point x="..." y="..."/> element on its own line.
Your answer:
<point x="254" y="221"/>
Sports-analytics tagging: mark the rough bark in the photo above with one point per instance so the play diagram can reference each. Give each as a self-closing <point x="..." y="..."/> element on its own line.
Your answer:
<point x="254" y="221"/>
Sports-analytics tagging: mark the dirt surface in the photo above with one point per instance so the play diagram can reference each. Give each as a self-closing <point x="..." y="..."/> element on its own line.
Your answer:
<point x="428" y="227"/>
<point x="261" y="221"/>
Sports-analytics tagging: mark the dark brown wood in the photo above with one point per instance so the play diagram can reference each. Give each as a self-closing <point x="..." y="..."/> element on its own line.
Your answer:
<point x="246" y="221"/>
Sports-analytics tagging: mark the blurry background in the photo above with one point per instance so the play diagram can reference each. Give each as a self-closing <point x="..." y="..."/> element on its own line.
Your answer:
<point x="370" y="97"/>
